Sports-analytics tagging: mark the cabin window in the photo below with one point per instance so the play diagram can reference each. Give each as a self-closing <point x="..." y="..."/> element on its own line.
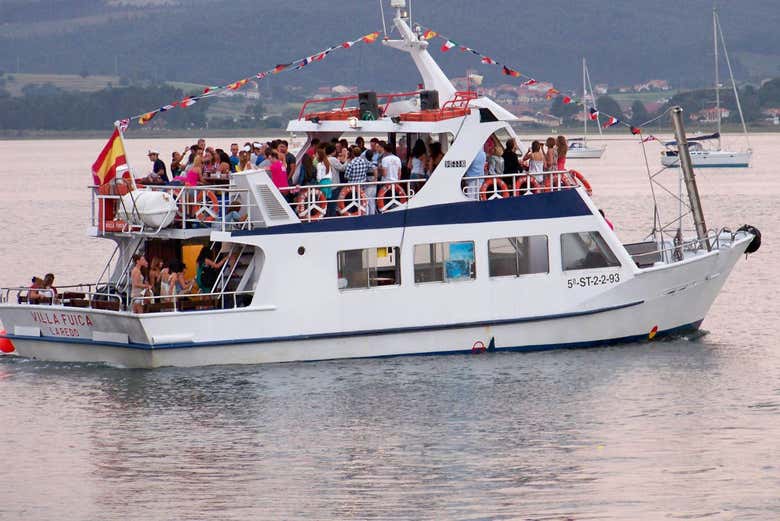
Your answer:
<point x="586" y="250"/>
<point x="369" y="268"/>
<point x="444" y="262"/>
<point x="515" y="256"/>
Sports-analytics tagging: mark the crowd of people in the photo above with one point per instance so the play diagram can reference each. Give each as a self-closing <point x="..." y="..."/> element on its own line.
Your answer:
<point x="161" y="281"/>
<point x="340" y="162"/>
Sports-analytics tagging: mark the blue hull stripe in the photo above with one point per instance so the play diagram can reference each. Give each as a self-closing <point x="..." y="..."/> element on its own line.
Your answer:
<point x="551" y="205"/>
<point x="325" y="336"/>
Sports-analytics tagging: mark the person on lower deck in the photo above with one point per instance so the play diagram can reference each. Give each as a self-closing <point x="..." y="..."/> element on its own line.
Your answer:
<point x="208" y="269"/>
<point x="475" y="169"/>
<point x="139" y="287"/>
<point x="390" y="165"/>
<point x="33" y="295"/>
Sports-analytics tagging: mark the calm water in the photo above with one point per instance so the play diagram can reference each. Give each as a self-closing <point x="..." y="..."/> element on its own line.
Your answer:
<point x="679" y="429"/>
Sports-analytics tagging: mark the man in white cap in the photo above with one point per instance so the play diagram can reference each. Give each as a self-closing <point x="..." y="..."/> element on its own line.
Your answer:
<point x="257" y="156"/>
<point x="159" y="175"/>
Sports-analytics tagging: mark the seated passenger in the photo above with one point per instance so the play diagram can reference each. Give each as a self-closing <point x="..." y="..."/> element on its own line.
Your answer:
<point x="244" y="162"/>
<point x="48" y="295"/>
<point x="176" y="164"/>
<point x="33" y="296"/>
<point x="209" y="163"/>
<point x="158" y="175"/>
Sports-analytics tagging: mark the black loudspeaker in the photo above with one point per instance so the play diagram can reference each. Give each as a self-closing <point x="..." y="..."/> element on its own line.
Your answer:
<point x="368" y="105"/>
<point x="429" y="99"/>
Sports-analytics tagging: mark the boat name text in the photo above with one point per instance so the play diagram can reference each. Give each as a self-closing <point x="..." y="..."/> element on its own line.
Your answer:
<point x="62" y="324"/>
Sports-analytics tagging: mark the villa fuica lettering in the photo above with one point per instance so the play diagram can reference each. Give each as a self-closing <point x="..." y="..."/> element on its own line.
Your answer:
<point x="61" y="324"/>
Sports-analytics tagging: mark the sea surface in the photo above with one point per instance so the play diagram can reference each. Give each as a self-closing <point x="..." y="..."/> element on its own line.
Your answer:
<point x="687" y="428"/>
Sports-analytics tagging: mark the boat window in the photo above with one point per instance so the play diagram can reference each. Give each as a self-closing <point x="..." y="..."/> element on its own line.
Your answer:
<point x="369" y="268"/>
<point x="444" y="262"/>
<point x="515" y="256"/>
<point x="586" y="250"/>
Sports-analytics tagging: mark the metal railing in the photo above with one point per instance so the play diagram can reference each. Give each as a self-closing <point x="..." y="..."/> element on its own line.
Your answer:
<point x="210" y="206"/>
<point x="191" y="302"/>
<point x="674" y="251"/>
<point x="500" y="186"/>
<point x="76" y="295"/>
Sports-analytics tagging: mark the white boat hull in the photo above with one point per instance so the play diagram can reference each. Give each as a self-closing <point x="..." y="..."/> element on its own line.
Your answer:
<point x="586" y="152"/>
<point x="710" y="159"/>
<point x="671" y="298"/>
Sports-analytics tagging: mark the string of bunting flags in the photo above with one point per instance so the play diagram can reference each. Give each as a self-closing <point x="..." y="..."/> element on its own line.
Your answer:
<point x="528" y="81"/>
<point x="296" y="65"/>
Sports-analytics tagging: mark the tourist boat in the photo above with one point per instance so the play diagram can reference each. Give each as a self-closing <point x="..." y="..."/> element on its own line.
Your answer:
<point x="527" y="265"/>
<point x="715" y="157"/>
<point x="578" y="147"/>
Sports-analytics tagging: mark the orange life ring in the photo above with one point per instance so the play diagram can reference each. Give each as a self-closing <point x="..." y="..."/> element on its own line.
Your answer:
<point x="353" y="201"/>
<point x="206" y="207"/>
<point x="496" y="186"/>
<point x="582" y="180"/>
<point x="397" y="197"/>
<point x="525" y="185"/>
<point x="311" y="204"/>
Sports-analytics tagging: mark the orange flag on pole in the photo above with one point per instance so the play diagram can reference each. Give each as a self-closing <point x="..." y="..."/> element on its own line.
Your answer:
<point x="111" y="157"/>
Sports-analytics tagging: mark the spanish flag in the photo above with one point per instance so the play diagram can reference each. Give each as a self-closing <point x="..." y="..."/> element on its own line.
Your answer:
<point x="111" y="157"/>
<point x="370" y="38"/>
<point x="429" y="35"/>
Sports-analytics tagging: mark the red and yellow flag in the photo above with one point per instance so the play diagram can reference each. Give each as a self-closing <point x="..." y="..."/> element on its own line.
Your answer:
<point x="371" y="38"/>
<point x="111" y="157"/>
<point x="429" y="35"/>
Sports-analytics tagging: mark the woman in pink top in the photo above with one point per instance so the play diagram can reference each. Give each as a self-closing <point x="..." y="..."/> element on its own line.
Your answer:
<point x="279" y="173"/>
<point x="192" y="177"/>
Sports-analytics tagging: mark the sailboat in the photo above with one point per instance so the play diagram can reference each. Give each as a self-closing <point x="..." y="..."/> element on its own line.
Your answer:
<point x="578" y="147"/>
<point x="714" y="157"/>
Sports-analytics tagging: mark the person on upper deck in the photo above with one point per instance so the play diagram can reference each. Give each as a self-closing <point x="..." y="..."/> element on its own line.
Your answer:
<point x="324" y="171"/>
<point x="286" y="156"/>
<point x="278" y="172"/>
<point x="307" y="174"/>
<point x="417" y="160"/>
<point x="336" y="165"/>
<point x="358" y="168"/>
<point x="158" y="175"/>
<point x="192" y="177"/>
<point x="551" y="155"/>
<point x="176" y="163"/>
<point x="257" y="156"/>
<point x="233" y="156"/>
<point x="511" y="161"/>
<point x="390" y="164"/>
<point x="535" y="159"/>
<point x="562" y="148"/>
<point x="476" y="169"/>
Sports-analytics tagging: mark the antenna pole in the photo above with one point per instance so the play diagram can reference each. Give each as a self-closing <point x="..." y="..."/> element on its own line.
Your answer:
<point x="690" y="177"/>
<point x="382" y="10"/>
<point x="584" y="106"/>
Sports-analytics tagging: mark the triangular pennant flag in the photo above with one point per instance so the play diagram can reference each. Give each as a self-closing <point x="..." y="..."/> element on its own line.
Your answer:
<point x="188" y="102"/>
<point x="429" y="35"/>
<point x="530" y="82"/>
<point x="261" y="75"/>
<point x="165" y="108"/>
<point x="279" y="68"/>
<point x="447" y="45"/>
<point x="347" y="45"/>
<point x="611" y="122"/>
<point x="566" y="100"/>
<point x="510" y="72"/>
<point x="146" y="118"/>
<point x="649" y="138"/>
<point x="488" y="61"/>
<point x="636" y="130"/>
<point x="594" y="114"/>
<point x="551" y="93"/>
<point x="371" y="38"/>
<point x="123" y="124"/>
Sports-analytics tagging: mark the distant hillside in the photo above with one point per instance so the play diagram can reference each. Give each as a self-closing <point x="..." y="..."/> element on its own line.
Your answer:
<point x="216" y="41"/>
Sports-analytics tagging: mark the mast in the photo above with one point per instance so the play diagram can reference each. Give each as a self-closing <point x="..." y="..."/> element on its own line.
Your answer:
<point x="717" y="70"/>
<point x="584" y="106"/>
<point x="733" y="82"/>
<point x="690" y="178"/>
<point x="593" y="100"/>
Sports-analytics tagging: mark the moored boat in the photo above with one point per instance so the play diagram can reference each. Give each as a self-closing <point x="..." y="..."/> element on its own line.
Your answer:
<point x="451" y="264"/>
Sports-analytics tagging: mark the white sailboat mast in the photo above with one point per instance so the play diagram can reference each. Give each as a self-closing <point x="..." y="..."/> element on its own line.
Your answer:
<point x="717" y="70"/>
<point x="593" y="100"/>
<point x="733" y="82"/>
<point x="584" y="106"/>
